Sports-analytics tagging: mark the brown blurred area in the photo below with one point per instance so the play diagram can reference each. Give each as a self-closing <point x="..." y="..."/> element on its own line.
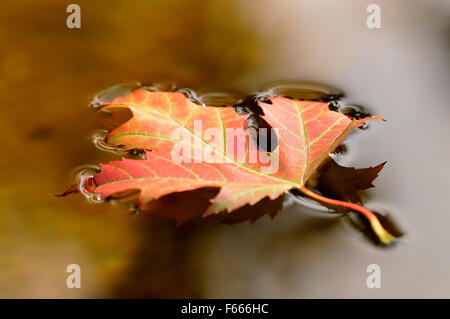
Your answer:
<point x="48" y="75"/>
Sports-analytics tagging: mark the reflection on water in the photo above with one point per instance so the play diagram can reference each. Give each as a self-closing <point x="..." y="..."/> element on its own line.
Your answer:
<point x="109" y="94"/>
<point x="301" y="91"/>
<point x="49" y="72"/>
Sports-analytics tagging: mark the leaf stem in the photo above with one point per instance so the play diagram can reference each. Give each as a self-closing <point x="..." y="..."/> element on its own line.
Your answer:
<point x="384" y="236"/>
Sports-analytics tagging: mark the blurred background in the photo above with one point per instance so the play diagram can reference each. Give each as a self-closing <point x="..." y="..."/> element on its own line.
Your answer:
<point x="49" y="74"/>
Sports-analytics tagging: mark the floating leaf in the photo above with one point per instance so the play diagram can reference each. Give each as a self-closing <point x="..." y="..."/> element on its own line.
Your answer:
<point x="306" y="131"/>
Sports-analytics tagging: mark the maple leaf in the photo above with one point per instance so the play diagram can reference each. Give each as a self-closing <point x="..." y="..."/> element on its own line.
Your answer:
<point x="307" y="132"/>
<point x="344" y="183"/>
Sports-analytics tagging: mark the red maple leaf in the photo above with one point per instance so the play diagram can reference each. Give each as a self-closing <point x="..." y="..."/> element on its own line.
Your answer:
<point x="307" y="132"/>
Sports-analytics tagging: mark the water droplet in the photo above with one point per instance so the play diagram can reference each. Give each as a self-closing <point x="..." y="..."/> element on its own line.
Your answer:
<point x="99" y="137"/>
<point x="84" y="176"/>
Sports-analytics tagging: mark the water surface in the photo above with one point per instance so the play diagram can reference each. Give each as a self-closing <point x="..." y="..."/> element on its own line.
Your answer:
<point x="50" y="75"/>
